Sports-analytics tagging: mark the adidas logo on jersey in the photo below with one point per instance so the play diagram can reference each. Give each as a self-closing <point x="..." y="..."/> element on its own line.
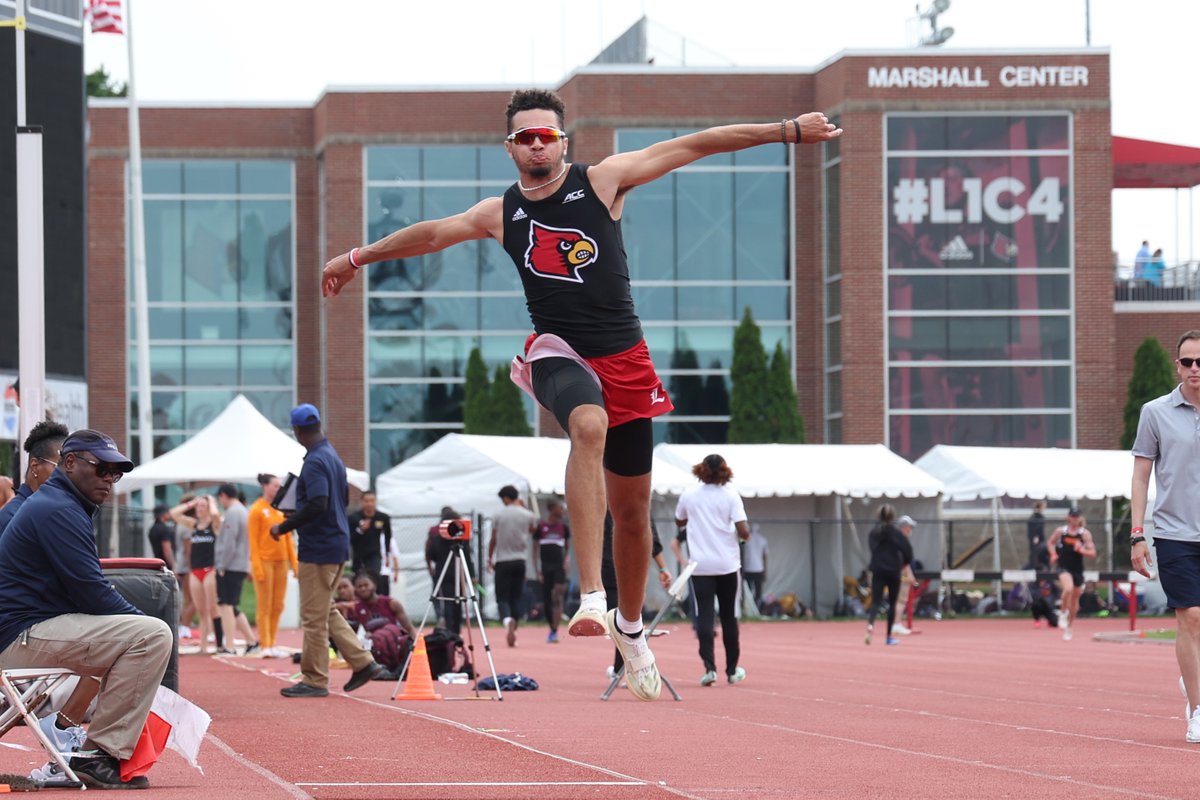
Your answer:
<point x="519" y="215"/>
<point x="956" y="250"/>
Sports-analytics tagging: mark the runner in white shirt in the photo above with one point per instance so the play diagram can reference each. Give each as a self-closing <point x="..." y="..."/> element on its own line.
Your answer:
<point x="716" y="521"/>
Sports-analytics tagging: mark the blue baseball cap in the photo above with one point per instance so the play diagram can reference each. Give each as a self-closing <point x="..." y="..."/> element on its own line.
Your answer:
<point x="305" y="414"/>
<point x="98" y="444"/>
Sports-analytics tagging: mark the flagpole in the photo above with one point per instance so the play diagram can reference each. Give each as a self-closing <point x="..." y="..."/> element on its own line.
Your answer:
<point x="140" y="294"/>
<point x="31" y="244"/>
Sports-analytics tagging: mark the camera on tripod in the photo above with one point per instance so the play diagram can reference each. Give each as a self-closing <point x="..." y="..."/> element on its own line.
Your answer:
<point x="455" y="530"/>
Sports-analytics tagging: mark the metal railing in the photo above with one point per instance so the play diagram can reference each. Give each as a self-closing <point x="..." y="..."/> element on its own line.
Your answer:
<point x="1178" y="283"/>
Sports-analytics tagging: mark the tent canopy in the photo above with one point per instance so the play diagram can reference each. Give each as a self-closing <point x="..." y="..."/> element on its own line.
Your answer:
<point x="1139" y="164"/>
<point x="466" y="471"/>
<point x="1033" y="473"/>
<point x="235" y="447"/>
<point x="789" y="470"/>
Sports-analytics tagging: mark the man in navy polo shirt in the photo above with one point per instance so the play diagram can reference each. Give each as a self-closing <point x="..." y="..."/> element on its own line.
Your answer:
<point x="320" y="520"/>
<point x="58" y="610"/>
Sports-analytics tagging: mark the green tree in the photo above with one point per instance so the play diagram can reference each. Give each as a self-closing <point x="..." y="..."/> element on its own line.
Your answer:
<point x="782" y="407"/>
<point x="477" y="395"/>
<point x="748" y="423"/>
<point x="1153" y="376"/>
<point x="687" y="393"/>
<point x="716" y="404"/>
<point x="100" y="84"/>
<point x="507" y="407"/>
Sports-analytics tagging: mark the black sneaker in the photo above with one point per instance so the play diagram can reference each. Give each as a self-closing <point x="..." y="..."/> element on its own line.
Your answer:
<point x="102" y="771"/>
<point x="303" y="690"/>
<point x="363" y="675"/>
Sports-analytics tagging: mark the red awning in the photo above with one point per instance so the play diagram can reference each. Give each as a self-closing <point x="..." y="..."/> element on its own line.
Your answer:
<point x="1139" y="164"/>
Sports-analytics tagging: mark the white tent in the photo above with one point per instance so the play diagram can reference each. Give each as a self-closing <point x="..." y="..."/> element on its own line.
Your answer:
<point x="236" y="446"/>
<point x="811" y="503"/>
<point x="466" y="472"/>
<point x="1091" y="478"/>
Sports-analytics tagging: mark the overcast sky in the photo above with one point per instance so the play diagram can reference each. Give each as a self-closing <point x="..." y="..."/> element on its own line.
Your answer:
<point x="276" y="51"/>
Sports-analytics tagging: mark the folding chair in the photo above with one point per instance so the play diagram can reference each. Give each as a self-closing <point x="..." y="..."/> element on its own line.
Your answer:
<point x="25" y="690"/>
<point x="675" y="593"/>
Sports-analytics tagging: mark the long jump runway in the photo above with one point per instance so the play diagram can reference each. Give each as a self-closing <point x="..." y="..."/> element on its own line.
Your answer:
<point x="968" y="708"/>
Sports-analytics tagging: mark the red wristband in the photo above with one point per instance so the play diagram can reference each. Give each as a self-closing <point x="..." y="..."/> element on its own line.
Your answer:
<point x="1135" y="531"/>
<point x="350" y="257"/>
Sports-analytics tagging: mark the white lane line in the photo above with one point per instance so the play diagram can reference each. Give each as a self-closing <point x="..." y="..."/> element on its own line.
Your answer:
<point x="287" y="786"/>
<point x="484" y="783"/>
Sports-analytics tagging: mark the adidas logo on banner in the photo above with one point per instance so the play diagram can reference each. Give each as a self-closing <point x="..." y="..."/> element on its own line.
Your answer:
<point x="519" y="215"/>
<point x="956" y="250"/>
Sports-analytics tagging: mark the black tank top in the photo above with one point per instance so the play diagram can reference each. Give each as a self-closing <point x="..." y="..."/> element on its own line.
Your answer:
<point x="571" y="257"/>
<point x="203" y="548"/>
<point x="1068" y="559"/>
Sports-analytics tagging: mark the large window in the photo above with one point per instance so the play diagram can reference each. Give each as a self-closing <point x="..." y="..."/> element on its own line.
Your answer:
<point x="832" y="184"/>
<point x="219" y="267"/>
<point x="705" y="243"/>
<point x="426" y="314"/>
<point x="979" y="264"/>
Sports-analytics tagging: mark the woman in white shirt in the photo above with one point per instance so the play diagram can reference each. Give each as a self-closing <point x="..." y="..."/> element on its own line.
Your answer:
<point x="715" y="522"/>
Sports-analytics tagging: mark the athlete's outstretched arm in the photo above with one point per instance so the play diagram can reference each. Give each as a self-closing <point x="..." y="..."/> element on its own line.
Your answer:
<point x="623" y="171"/>
<point x="479" y="222"/>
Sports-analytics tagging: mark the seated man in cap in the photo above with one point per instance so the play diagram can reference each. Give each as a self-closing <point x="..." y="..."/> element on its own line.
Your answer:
<point x="58" y="610"/>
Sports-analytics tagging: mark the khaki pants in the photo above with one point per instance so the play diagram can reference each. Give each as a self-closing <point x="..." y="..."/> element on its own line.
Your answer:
<point x="269" y="595"/>
<point x="322" y="622"/>
<point x="127" y="652"/>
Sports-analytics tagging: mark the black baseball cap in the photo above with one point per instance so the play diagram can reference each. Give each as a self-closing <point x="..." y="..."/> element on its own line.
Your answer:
<point x="159" y="510"/>
<point x="1074" y="511"/>
<point x="98" y="444"/>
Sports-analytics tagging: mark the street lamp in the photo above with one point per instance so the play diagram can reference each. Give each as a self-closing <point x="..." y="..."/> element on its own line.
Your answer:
<point x="937" y="36"/>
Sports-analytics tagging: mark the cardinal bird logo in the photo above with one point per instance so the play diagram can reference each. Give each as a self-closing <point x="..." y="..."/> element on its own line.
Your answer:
<point x="558" y="253"/>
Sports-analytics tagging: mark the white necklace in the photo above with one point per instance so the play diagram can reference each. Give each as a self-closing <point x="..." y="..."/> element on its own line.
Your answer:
<point x="525" y="188"/>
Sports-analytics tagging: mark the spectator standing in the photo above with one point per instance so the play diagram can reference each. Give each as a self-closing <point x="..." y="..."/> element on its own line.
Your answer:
<point x="891" y="552"/>
<point x="1155" y="269"/>
<point x="507" y="551"/>
<point x="269" y="562"/>
<point x="754" y="564"/>
<point x="199" y="520"/>
<point x="233" y="566"/>
<point x="1035" y="532"/>
<point x="716" y="520"/>
<point x="1141" y="261"/>
<point x="42" y="444"/>
<point x="906" y="524"/>
<point x="437" y="552"/>
<point x="1166" y="444"/>
<point x="58" y="610"/>
<point x="552" y="561"/>
<point x="320" y="520"/>
<point x="371" y="542"/>
<point x="162" y="537"/>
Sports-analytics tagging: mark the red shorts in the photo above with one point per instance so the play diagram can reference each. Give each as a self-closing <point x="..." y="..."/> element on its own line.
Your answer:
<point x="202" y="572"/>
<point x="630" y="386"/>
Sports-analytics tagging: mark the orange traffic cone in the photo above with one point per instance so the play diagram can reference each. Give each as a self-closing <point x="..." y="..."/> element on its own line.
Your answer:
<point x="419" y="685"/>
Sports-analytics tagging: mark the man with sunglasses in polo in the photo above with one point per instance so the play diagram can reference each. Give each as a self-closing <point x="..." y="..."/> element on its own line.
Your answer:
<point x="1168" y="443"/>
<point x="587" y="362"/>
<point x="58" y="610"/>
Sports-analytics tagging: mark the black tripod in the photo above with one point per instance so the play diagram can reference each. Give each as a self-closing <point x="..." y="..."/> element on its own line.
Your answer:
<point x="462" y="593"/>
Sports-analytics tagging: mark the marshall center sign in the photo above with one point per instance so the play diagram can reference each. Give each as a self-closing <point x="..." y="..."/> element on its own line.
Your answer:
<point x="1008" y="76"/>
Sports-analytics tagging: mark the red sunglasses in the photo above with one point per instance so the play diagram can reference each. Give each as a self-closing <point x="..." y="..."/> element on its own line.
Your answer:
<point x="525" y="136"/>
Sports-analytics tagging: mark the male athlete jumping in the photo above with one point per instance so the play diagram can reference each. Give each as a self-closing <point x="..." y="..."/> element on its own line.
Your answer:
<point x="586" y="362"/>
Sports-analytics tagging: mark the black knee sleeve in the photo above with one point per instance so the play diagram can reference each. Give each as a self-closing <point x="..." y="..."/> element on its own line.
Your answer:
<point x="629" y="449"/>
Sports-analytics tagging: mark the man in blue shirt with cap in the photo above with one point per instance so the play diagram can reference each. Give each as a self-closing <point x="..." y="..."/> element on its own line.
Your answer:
<point x="320" y="519"/>
<point x="58" y="610"/>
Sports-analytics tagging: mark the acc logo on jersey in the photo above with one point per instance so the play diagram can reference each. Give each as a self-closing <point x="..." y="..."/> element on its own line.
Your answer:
<point x="558" y="253"/>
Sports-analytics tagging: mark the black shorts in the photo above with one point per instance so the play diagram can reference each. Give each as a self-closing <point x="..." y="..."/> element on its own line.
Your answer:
<point x="1179" y="571"/>
<point x="1075" y="576"/>
<point x="229" y="588"/>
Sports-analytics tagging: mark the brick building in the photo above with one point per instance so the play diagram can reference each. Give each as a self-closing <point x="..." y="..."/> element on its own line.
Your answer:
<point x="941" y="274"/>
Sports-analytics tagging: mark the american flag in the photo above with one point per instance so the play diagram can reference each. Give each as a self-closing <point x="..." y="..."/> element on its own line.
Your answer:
<point x="106" y="16"/>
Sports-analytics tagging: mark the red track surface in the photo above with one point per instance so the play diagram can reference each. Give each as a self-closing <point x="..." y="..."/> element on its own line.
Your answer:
<point x="980" y="708"/>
